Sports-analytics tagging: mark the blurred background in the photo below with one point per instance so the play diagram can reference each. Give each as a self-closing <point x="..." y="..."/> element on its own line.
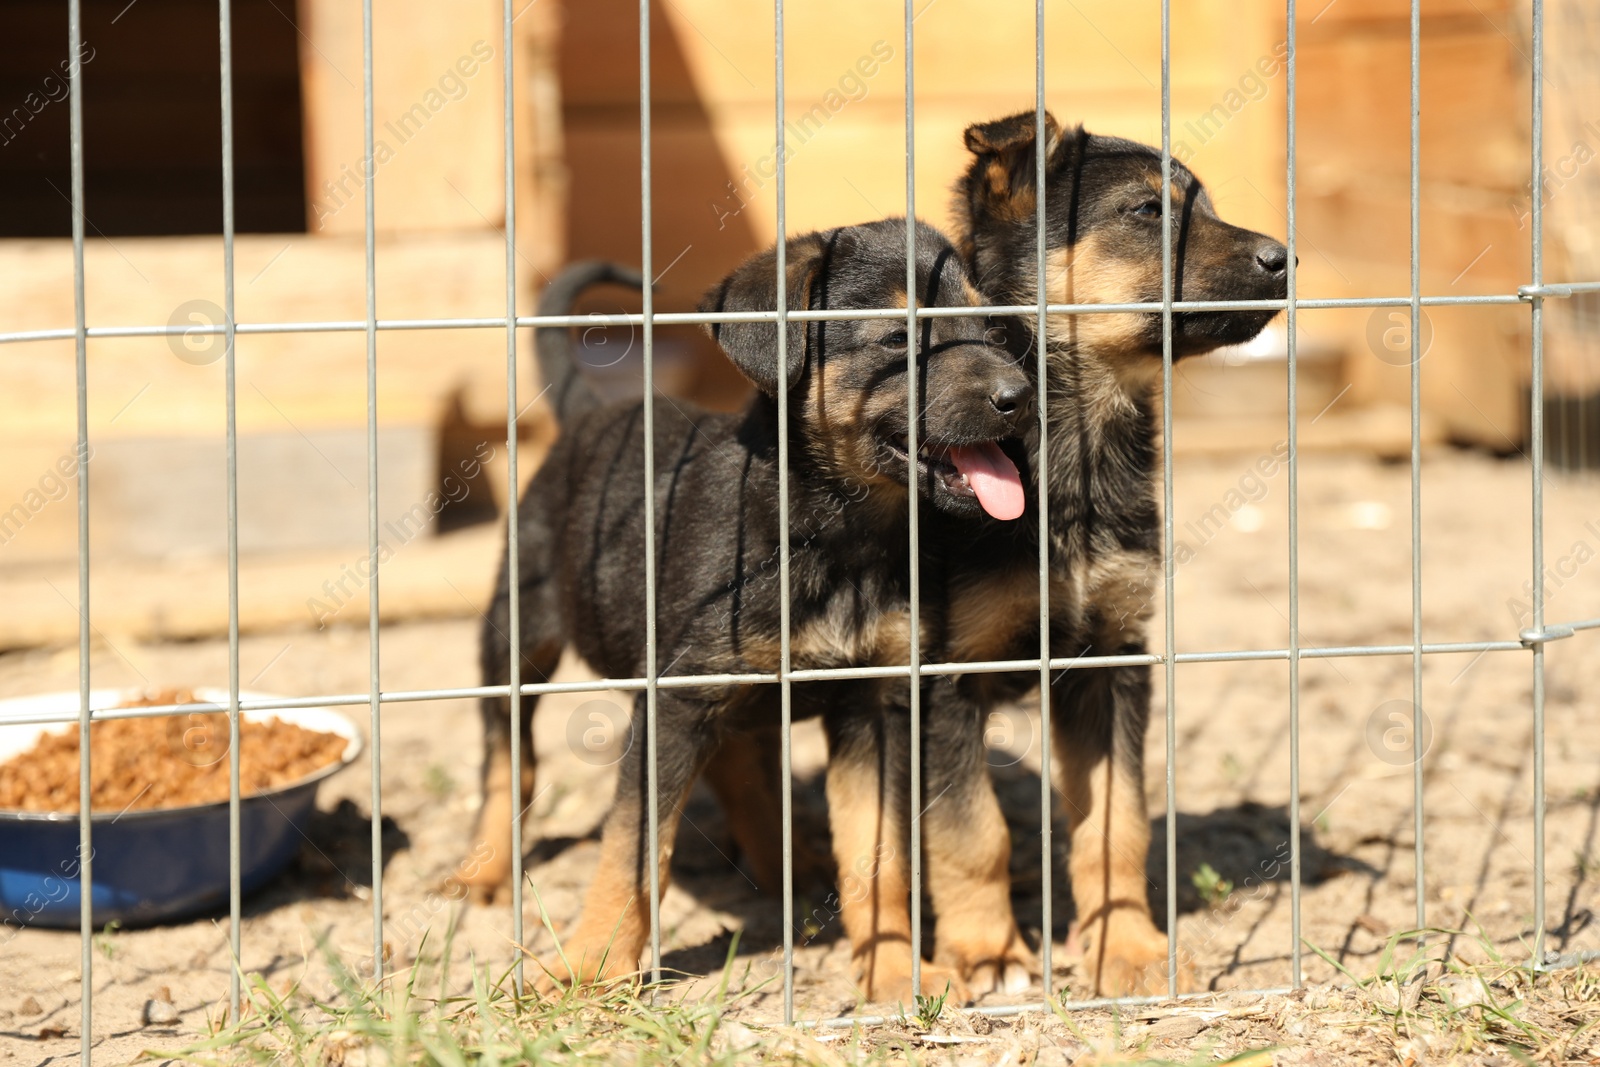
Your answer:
<point x="154" y="256"/>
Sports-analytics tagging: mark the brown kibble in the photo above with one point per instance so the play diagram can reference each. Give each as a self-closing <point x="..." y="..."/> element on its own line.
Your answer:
<point x="166" y="761"/>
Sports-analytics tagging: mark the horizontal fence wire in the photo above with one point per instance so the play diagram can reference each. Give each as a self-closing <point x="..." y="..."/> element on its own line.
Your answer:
<point x="688" y="681"/>
<point x="698" y="318"/>
<point x="1003" y="1011"/>
<point x="1531" y="640"/>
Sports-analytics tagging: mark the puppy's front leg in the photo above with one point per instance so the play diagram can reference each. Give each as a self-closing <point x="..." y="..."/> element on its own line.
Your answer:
<point x="968" y="847"/>
<point x="1100" y="715"/>
<point x="868" y="794"/>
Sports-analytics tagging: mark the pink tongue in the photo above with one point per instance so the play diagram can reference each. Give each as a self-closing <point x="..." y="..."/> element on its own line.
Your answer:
<point x="993" y="478"/>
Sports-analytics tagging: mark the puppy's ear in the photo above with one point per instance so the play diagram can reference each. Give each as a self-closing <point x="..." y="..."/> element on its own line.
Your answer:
<point x="1002" y="174"/>
<point x="753" y="346"/>
<point x="1013" y="131"/>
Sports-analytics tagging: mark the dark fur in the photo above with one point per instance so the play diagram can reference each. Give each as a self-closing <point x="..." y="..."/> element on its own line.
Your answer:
<point x="583" y="545"/>
<point x="1103" y="230"/>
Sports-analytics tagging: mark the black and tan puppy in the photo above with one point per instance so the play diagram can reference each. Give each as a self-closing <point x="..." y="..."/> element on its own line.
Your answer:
<point x="717" y="527"/>
<point x="1103" y="245"/>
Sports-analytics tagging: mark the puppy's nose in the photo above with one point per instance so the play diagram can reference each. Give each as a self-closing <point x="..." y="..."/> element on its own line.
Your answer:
<point x="1009" y="396"/>
<point x="1272" y="257"/>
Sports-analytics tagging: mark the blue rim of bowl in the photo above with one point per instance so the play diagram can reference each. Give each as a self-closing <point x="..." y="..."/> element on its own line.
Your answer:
<point x="354" y="744"/>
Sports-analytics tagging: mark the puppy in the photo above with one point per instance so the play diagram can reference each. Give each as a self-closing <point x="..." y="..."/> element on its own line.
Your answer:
<point x="1102" y="245"/>
<point x="582" y="544"/>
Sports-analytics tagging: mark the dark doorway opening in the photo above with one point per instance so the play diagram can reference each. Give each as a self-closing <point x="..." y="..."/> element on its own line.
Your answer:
<point x="152" y="119"/>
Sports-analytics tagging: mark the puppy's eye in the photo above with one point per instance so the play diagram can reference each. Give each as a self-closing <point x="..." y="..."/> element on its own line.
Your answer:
<point x="893" y="340"/>
<point x="1149" y="209"/>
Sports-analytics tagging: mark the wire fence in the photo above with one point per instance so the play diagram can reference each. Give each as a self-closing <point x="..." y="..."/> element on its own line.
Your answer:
<point x="1531" y="640"/>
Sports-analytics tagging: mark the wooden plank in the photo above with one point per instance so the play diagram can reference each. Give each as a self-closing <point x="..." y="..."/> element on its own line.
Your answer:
<point x="1355" y="120"/>
<point x="437" y="112"/>
<point x="306" y="379"/>
<point x="135" y="601"/>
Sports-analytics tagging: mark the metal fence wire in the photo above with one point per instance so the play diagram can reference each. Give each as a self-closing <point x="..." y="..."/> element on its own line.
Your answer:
<point x="1531" y="640"/>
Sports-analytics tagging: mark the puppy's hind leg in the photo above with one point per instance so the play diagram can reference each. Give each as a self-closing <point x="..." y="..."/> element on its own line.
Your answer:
<point x="746" y="774"/>
<point x="486" y="870"/>
<point x="615" y="925"/>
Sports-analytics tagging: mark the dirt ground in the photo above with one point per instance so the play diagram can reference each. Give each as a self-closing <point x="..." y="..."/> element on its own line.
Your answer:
<point x="1232" y="773"/>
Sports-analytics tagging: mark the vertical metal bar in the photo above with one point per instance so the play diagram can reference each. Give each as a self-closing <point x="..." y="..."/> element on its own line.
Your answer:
<point x="914" y="656"/>
<point x="1294" y="512"/>
<point x="1417" y="750"/>
<point x="1536" y="448"/>
<point x="373" y="681"/>
<point x="650" y="691"/>
<point x="1169" y="636"/>
<point x="784" y="686"/>
<point x="81" y="349"/>
<point x="514" y="637"/>
<point x="235" y="922"/>
<point x="1042" y="475"/>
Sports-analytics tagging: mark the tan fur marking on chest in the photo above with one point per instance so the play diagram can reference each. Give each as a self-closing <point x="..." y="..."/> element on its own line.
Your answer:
<point x="1121" y="588"/>
<point x="988" y="618"/>
<point x="837" y="640"/>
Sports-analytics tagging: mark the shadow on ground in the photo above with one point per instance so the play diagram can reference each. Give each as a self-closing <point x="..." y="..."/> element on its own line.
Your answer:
<point x="1246" y="845"/>
<point x="335" y="859"/>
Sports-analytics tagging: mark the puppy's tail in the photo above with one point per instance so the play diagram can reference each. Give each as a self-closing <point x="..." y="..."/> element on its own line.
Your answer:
<point x="569" y="394"/>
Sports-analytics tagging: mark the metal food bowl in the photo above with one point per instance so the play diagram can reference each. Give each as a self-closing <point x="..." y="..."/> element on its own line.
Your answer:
<point x="156" y="864"/>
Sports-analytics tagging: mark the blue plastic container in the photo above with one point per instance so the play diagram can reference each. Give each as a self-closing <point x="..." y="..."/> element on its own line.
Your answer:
<point x="151" y="865"/>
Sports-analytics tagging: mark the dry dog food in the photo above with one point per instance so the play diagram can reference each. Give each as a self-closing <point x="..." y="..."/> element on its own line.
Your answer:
<point x="166" y="761"/>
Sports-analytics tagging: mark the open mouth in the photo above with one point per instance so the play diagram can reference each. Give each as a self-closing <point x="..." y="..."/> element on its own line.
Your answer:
<point x="975" y="470"/>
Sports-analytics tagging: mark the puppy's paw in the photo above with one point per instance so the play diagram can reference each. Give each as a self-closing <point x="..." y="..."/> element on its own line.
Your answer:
<point x="479" y="881"/>
<point x="489" y="893"/>
<point x="992" y="960"/>
<point x="1013" y="972"/>
<point x="581" y="964"/>
<point x="1125" y="955"/>
<point x="887" y="980"/>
